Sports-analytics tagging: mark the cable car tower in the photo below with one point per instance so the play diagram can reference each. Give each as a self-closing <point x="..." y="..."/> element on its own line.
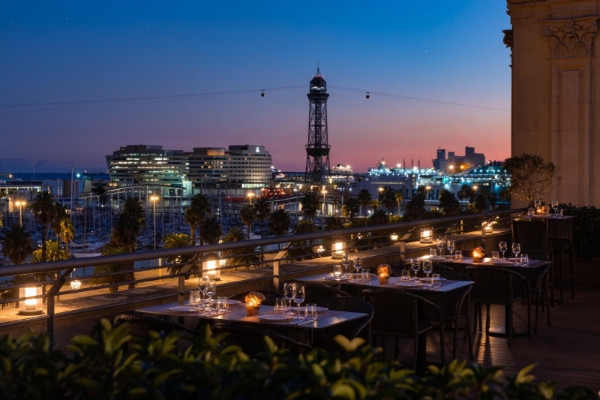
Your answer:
<point x="317" y="149"/>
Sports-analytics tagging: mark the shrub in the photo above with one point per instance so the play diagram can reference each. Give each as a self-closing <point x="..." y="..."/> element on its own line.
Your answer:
<point x="98" y="367"/>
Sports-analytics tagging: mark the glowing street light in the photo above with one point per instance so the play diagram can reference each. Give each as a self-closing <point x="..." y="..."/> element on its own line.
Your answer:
<point x="154" y="199"/>
<point x="250" y="196"/>
<point x="20" y="204"/>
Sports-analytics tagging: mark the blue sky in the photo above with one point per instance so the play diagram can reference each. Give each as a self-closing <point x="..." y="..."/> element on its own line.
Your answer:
<point x="69" y="51"/>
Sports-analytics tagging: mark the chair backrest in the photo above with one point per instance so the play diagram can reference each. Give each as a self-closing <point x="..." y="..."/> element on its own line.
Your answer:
<point x="314" y="292"/>
<point x="251" y="339"/>
<point x="396" y="312"/>
<point x="532" y="235"/>
<point x="560" y="228"/>
<point x="360" y="327"/>
<point x="495" y="285"/>
<point x="270" y="296"/>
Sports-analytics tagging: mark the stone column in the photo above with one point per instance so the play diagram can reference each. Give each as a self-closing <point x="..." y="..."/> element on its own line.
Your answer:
<point x="553" y="110"/>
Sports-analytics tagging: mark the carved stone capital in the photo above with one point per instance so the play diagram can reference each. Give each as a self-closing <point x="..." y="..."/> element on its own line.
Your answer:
<point x="572" y="37"/>
<point x="508" y="38"/>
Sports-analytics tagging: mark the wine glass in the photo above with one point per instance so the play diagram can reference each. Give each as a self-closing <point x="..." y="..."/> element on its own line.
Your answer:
<point x="299" y="296"/>
<point x="202" y="287"/>
<point x="345" y="263"/>
<point x="555" y="207"/>
<point x="440" y="245"/>
<point x="537" y="204"/>
<point x="211" y="290"/>
<point x="288" y="292"/>
<point x="427" y="267"/>
<point x="415" y="265"/>
<point x="357" y="264"/>
<point x="516" y="249"/>
<point x="450" y="246"/>
<point x="503" y="246"/>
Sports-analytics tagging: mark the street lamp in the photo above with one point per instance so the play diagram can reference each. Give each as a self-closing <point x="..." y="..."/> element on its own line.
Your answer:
<point x="250" y="195"/>
<point x="154" y="199"/>
<point x="20" y="204"/>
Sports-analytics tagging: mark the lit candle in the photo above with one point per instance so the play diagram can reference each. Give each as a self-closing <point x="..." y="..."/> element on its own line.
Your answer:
<point x="383" y="278"/>
<point x="250" y="308"/>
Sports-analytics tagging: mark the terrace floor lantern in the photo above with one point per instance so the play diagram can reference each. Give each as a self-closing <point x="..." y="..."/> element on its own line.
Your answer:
<point x="426" y="234"/>
<point x="30" y="305"/>
<point x="210" y="266"/>
<point x="338" y="247"/>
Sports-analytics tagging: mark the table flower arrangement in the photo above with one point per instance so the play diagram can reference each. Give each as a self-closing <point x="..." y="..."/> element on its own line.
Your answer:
<point x="384" y="271"/>
<point x="253" y="301"/>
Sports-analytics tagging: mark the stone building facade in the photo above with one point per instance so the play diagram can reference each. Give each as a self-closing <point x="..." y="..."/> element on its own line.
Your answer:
<point x="555" y="80"/>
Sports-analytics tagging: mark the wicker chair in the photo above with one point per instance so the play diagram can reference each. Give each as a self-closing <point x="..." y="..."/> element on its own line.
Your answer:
<point x="397" y="314"/>
<point x="270" y="296"/>
<point x="495" y="285"/>
<point x="140" y="327"/>
<point x="325" y="338"/>
<point x="314" y="292"/>
<point x="250" y="339"/>
<point x="560" y="239"/>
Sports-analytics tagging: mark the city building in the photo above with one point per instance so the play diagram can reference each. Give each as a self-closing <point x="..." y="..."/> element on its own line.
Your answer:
<point x="455" y="164"/>
<point x="147" y="165"/>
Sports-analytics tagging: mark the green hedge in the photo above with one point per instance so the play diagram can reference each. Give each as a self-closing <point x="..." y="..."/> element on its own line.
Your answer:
<point x="586" y="229"/>
<point x="98" y="367"/>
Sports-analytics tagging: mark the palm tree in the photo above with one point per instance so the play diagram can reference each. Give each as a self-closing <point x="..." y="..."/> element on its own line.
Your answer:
<point x="173" y="241"/>
<point x="53" y="253"/>
<point x="364" y="198"/>
<point x="399" y="197"/>
<point x="280" y="222"/>
<point x="311" y="202"/>
<point x="129" y="225"/>
<point x="125" y="267"/>
<point x="248" y="215"/>
<point x="100" y="191"/>
<point x="210" y="230"/>
<point x="387" y="198"/>
<point x="299" y="249"/>
<point x="66" y="231"/>
<point x="448" y="202"/>
<point x="262" y="209"/>
<point x="17" y="244"/>
<point x="45" y="212"/>
<point x="200" y="208"/>
<point x="333" y="223"/>
<point x="243" y="256"/>
<point x="351" y="207"/>
<point x="465" y="192"/>
<point x="379" y="217"/>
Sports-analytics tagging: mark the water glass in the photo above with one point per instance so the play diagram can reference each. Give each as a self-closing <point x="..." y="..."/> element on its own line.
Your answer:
<point x="405" y="275"/>
<point x="436" y="282"/>
<point x="458" y="255"/>
<point x="560" y="213"/>
<point x="310" y="313"/>
<point x="524" y="259"/>
<point x="450" y="246"/>
<point x="433" y="253"/>
<point x="345" y="263"/>
<point x="222" y="305"/>
<point x="280" y="305"/>
<point x="366" y="276"/>
<point x="194" y="297"/>
<point x="337" y="271"/>
<point x="495" y="255"/>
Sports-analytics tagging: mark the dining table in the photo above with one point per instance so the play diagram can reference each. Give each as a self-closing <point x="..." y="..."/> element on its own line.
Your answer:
<point x="534" y="271"/>
<point x="266" y="318"/>
<point x="446" y="296"/>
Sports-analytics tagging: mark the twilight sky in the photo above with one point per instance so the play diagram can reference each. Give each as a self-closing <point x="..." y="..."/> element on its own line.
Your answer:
<point x="438" y="51"/>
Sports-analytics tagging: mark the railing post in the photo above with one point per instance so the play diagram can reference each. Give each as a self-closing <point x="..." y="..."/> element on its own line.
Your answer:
<point x="276" y="274"/>
<point x="50" y="302"/>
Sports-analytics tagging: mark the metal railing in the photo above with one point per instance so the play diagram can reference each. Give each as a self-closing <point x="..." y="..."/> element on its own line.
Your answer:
<point x="372" y="236"/>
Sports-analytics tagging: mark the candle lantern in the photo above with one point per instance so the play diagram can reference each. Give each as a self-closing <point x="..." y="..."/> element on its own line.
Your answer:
<point x="75" y="284"/>
<point x="30" y="305"/>
<point x="426" y="235"/>
<point x="488" y="228"/>
<point x="209" y="266"/>
<point x="478" y="254"/>
<point x="394" y="237"/>
<point x="338" y="247"/>
<point x="384" y="271"/>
